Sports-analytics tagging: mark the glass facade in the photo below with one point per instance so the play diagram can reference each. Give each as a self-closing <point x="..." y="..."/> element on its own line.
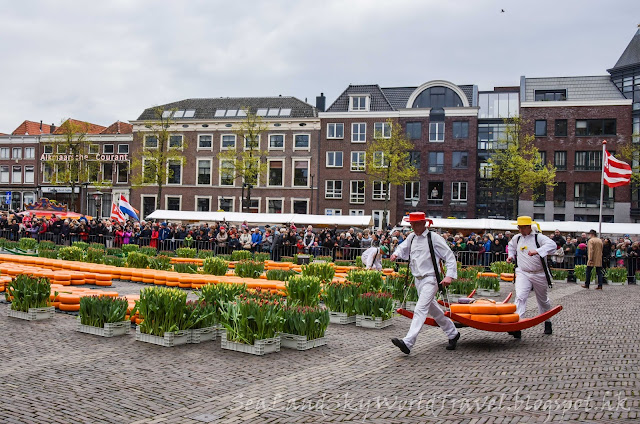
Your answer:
<point x="498" y="105"/>
<point x="438" y="98"/>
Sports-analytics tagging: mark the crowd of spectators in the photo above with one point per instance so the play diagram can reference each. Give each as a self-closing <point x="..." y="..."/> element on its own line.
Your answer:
<point x="286" y="240"/>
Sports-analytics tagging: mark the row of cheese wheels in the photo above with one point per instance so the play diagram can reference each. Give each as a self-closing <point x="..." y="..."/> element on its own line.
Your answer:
<point x="483" y="308"/>
<point x="506" y="318"/>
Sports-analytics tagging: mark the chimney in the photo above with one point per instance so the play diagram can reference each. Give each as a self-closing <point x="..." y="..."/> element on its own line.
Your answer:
<point x="41" y="125"/>
<point x="52" y="129"/>
<point x="321" y="102"/>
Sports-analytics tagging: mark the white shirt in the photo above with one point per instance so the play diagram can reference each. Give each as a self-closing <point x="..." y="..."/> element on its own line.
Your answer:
<point x="372" y="258"/>
<point x="528" y="263"/>
<point x="421" y="263"/>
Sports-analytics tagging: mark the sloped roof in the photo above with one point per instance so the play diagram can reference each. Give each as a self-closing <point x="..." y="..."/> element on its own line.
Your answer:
<point x="206" y="108"/>
<point x="378" y="102"/>
<point x="384" y="99"/>
<point x="86" y="126"/>
<point x="578" y="88"/>
<point x="118" y="128"/>
<point x="32" y="128"/>
<point x="631" y="55"/>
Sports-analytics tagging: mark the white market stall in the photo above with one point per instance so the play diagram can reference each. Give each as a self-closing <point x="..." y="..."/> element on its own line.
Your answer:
<point x="565" y="227"/>
<point x="365" y="221"/>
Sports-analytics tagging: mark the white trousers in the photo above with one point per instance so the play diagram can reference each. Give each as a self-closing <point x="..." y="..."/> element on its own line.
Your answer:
<point x="524" y="282"/>
<point x="427" y="288"/>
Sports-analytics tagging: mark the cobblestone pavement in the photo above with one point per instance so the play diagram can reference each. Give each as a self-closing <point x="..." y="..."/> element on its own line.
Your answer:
<point x="587" y="371"/>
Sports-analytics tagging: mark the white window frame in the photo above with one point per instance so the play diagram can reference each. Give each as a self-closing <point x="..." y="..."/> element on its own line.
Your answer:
<point x="233" y="202"/>
<point x="13" y="153"/>
<point x="181" y="172"/>
<point x="155" y="182"/>
<point x="353" y="132"/>
<point x="8" y="175"/>
<point x="196" y="198"/>
<point x="60" y="151"/>
<point x="5" y="153"/>
<point x="331" y="194"/>
<point x="102" y="174"/>
<point x="293" y="171"/>
<point x="104" y="148"/>
<point x="333" y="153"/>
<point x="257" y="184"/>
<point x="284" y="143"/>
<point x="244" y="145"/>
<point x="206" y="148"/>
<point x="333" y="212"/>
<point x="385" y="131"/>
<point x="293" y="199"/>
<point x="181" y="141"/>
<point x="123" y="145"/>
<point x="379" y="193"/>
<point x="142" y="196"/>
<point x="380" y="212"/>
<point x="439" y="136"/>
<point x="144" y="142"/>
<point x="357" y="198"/>
<point x="268" y="199"/>
<point x="335" y="126"/>
<point x="466" y="190"/>
<point x="413" y="184"/>
<point x="269" y="160"/>
<point x="356" y="212"/>
<point x="379" y="161"/>
<point x="259" y="199"/>
<point x="94" y="149"/>
<point x="363" y="162"/>
<point x="118" y="174"/>
<point x="48" y="147"/>
<point x="220" y="174"/>
<point x="306" y="149"/>
<point x="166" y="200"/>
<point x="360" y="107"/>
<point x="13" y="173"/>
<point x="44" y="173"/>
<point x="210" y="160"/>
<point x="33" y="152"/>
<point x="235" y="141"/>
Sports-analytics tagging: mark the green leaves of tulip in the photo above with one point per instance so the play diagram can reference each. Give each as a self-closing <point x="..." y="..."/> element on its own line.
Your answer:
<point x="29" y="292"/>
<point x="215" y="266"/>
<point x="252" y="317"/>
<point x="323" y="271"/>
<point x="371" y="281"/>
<point x="341" y="296"/>
<point x="308" y="321"/>
<point x="375" y="305"/>
<point x="303" y="290"/>
<point x="163" y="309"/>
<point x="218" y="294"/>
<point x="249" y="269"/>
<point x="96" y="311"/>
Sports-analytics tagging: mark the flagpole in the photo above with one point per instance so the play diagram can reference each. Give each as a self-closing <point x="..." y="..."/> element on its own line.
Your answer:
<point x="604" y="158"/>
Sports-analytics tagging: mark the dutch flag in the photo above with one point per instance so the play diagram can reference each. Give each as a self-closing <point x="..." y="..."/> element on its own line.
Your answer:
<point x="126" y="208"/>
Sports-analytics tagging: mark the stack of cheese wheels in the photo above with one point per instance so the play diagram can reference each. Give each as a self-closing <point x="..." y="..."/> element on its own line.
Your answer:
<point x="487" y="312"/>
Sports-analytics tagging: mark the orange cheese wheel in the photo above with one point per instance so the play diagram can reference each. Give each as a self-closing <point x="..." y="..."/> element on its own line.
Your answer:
<point x="172" y="283"/>
<point x="103" y="283"/>
<point x="509" y="318"/>
<point x="486" y="318"/>
<point x="505" y="308"/>
<point x="69" y="299"/>
<point x="464" y="315"/>
<point x="489" y="274"/>
<point x="458" y="308"/>
<point x="483" y="309"/>
<point x="69" y="307"/>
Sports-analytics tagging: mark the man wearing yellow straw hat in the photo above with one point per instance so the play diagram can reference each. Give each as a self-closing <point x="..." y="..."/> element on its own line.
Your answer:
<point x="529" y="250"/>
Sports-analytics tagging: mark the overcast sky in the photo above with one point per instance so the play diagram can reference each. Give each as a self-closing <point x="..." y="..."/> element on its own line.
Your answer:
<point x="102" y="61"/>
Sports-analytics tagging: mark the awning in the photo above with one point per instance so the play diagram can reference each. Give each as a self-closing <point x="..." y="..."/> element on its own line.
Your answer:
<point x="264" y="218"/>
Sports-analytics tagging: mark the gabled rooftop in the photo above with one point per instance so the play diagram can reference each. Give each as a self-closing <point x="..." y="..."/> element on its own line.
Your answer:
<point x="586" y="88"/>
<point x="231" y="107"/>
<point x="631" y="55"/>
<point x="118" y="127"/>
<point x="82" y="126"/>
<point x="32" y="128"/>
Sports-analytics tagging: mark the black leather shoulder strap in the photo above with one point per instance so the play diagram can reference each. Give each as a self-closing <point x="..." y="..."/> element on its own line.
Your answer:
<point x="545" y="265"/>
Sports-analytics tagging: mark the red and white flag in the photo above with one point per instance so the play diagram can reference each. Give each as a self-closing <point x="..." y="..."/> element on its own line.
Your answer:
<point x="116" y="214"/>
<point x="616" y="172"/>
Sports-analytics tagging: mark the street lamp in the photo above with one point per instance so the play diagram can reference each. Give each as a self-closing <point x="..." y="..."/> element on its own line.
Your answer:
<point x="97" y="195"/>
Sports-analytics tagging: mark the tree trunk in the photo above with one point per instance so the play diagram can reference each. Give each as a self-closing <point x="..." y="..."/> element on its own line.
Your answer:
<point x="248" y="205"/>
<point x="159" y="198"/>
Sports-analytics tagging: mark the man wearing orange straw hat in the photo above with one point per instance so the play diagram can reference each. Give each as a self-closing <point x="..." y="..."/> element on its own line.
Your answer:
<point x="416" y="248"/>
<point x="529" y="251"/>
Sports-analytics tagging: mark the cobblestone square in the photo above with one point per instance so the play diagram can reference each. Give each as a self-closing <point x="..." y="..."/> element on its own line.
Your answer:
<point x="587" y="371"/>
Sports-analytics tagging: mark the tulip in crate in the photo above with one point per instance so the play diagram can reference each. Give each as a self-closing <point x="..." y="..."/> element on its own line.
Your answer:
<point x="200" y="322"/>
<point x="164" y="314"/>
<point x="30" y="298"/>
<point x="103" y="316"/>
<point x="252" y="323"/>
<point x="304" y="327"/>
<point x="374" y="310"/>
<point x="340" y="298"/>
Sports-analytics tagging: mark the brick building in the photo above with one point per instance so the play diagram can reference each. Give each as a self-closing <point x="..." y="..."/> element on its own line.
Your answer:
<point x="570" y="117"/>
<point x="439" y="117"/>
<point x="25" y="156"/>
<point x="205" y="127"/>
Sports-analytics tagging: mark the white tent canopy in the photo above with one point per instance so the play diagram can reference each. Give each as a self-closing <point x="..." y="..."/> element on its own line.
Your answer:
<point x="263" y="218"/>
<point x="547" y="227"/>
